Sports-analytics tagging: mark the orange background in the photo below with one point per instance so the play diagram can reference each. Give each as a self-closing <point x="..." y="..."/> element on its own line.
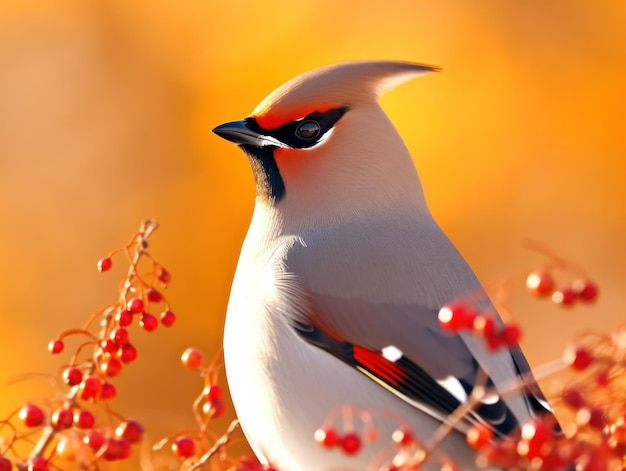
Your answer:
<point x="105" y="116"/>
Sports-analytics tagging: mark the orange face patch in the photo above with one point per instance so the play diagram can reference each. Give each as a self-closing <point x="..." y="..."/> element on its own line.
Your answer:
<point x="289" y="163"/>
<point x="270" y="119"/>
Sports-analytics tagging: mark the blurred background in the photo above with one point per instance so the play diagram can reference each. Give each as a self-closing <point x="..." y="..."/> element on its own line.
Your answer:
<point x="106" y="109"/>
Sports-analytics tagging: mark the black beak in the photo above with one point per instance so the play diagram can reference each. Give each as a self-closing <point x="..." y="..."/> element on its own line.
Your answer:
<point x="240" y="133"/>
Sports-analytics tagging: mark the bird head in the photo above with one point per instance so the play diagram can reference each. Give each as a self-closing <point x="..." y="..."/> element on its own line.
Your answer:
<point x="322" y="139"/>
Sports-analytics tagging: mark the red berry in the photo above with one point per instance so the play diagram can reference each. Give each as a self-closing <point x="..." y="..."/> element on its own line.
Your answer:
<point x="184" y="447"/>
<point x="84" y="419"/>
<point x="105" y="264"/>
<point x="130" y="430"/>
<point x="603" y="379"/>
<point x="478" y="436"/>
<point x="124" y="318"/>
<point x="127" y="353"/>
<point x="213" y="392"/>
<point x="511" y="334"/>
<point x="90" y="387"/>
<point x="578" y="358"/>
<point x="168" y="318"/>
<point x="540" y="283"/>
<point x="403" y="437"/>
<point x="108" y="391"/>
<point x="595" y="417"/>
<point x="38" y="464"/>
<point x="494" y="341"/>
<point x="31" y="415"/>
<point x="350" y="443"/>
<point x="119" y="335"/>
<point x="109" y="346"/>
<point x="454" y="317"/>
<point x="192" y="358"/>
<point x="164" y="276"/>
<point x="573" y="398"/>
<point x="62" y="418"/>
<point x="153" y="295"/>
<point x="215" y="408"/>
<point x="94" y="440"/>
<point x="111" y="367"/>
<point x="148" y="322"/>
<point x="72" y="376"/>
<point x="585" y="289"/>
<point x="535" y="434"/>
<point x="555" y="459"/>
<point x="5" y="464"/>
<point x="484" y="325"/>
<point x="565" y="297"/>
<point x="116" y="449"/>
<point x="135" y="305"/>
<point x="56" y="346"/>
<point x="327" y="437"/>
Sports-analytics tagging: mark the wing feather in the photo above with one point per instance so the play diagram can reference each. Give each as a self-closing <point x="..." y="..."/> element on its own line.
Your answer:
<point x="366" y="292"/>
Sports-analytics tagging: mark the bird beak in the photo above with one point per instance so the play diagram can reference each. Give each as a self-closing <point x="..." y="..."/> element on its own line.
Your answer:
<point x="240" y="133"/>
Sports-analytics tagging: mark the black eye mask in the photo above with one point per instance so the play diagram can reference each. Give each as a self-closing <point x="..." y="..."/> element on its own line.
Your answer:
<point x="302" y="133"/>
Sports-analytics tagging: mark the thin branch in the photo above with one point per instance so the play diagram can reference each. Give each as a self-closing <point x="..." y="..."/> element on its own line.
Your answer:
<point x="217" y="446"/>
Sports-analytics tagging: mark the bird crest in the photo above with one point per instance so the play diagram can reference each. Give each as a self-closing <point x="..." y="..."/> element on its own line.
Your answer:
<point x="348" y="84"/>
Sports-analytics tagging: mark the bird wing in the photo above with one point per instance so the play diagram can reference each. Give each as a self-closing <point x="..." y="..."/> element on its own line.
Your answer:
<point x="414" y="360"/>
<point x="400" y="344"/>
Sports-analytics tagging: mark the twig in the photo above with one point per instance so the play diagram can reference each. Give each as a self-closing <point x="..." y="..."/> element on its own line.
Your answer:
<point x="217" y="446"/>
<point x="146" y="229"/>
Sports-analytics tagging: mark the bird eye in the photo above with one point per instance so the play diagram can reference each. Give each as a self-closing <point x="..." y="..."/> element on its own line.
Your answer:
<point x="308" y="130"/>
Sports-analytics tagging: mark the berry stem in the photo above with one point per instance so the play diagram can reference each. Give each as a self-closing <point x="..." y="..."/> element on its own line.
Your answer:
<point x="93" y="317"/>
<point x="217" y="446"/>
<point x="140" y="240"/>
<point x="214" y="368"/>
<point x="454" y="419"/>
<point x="558" y="261"/>
<point x="69" y="332"/>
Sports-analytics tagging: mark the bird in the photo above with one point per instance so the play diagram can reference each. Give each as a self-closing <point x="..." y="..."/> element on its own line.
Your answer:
<point x="335" y="299"/>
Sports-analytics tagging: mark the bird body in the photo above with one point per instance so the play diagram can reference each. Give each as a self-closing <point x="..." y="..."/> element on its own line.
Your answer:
<point x="343" y="261"/>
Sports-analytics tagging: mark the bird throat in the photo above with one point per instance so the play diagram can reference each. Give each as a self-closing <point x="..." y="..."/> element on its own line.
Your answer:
<point x="269" y="182"/>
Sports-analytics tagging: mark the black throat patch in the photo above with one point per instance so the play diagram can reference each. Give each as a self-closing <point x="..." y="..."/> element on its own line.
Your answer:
<point x="269" y="182"/>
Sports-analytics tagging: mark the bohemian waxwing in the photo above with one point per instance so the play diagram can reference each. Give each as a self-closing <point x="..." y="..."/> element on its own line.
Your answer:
<point x="341" y="276"/>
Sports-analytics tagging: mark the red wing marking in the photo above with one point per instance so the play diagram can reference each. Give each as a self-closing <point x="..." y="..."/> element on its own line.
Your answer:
<point x="379" y="365"/>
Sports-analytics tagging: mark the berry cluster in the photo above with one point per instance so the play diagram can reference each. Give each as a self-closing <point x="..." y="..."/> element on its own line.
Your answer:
<point x="402" y="451"/>
<point x="458" y="316"/>
<point x="198" y="448"/>
<point x="347" y="439"/>
<point x="348" y="442"/>
<point x="541" y="283"/>
<point x="560" y="280"/>
<point x="591" y="406"/>
<point x="69" y="430"/>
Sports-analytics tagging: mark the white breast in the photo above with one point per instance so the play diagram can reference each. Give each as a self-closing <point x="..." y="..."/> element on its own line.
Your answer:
<point x="283" y="388"/>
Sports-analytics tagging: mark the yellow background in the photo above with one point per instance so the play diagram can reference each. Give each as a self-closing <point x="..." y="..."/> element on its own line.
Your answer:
<point x="105" y="116"/>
